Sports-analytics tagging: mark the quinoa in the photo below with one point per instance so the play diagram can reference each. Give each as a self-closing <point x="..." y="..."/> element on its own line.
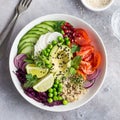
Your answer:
<point x="72" y="91"/>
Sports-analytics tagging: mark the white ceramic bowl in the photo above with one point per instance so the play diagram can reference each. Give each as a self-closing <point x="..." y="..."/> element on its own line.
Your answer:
<point x="96" y="9"/>
<point x="97" y="41"/>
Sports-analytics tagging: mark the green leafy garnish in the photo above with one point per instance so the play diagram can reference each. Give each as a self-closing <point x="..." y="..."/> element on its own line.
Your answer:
<point x="75" y="48"/>
<point x="57" y="26"/>
<point x="42" y="61"/>
<point x="31" y="81"/>
<point x="72" y="71"/>
<point x="29" y="59"/>
<point x="75" y="62"/>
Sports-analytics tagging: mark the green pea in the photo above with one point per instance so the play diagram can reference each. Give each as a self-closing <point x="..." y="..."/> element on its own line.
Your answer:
<point x="60" y="85"/>
<point x="50" y="46"/>
<point x="55" y="98"/>
<point x="57" y="81"/>
<point x="67" y="42"/>
<point x="54" y="90"/>
<point x="54" y="42"/>
<point x="60" y="89"/>
<point x="48" y="50"/>
<point x="55" y="93"/>
<point x="44" y="52"/>
<point x="65" y="102"/>
<point x="50" y="90"/>
<point x="60" y="98"/>
<point x="60" y="39"/>
<point x="50" y="95"/>
<point x="55" y="85"/>
<point x="47" y="54"/>
<point x="62" y="32"/>
<point x="50" y="100"/>
<point x="67" y="39"/>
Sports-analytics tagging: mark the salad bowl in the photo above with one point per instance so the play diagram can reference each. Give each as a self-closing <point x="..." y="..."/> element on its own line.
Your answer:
<point x="96" y="41"/>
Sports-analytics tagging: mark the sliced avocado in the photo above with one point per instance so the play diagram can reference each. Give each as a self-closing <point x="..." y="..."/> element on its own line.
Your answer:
<point x="48" y="27"/>
<point x="27" y="40"/>
<point x="24" y="46"/>
<point x="60" y="56"/>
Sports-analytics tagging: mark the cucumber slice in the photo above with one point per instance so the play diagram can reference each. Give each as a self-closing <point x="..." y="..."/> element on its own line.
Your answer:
<point x="24" y="46"/>
<point x="35" y="32"/>
<point x="48" y="27"/>
<point x="30" y="36"/>
<point x="28" y="49"/>
<point x="27" y="40"/>
<point x="40" y="29"/>
<point x="50" y="23"/>
<point x="44" y="30"/>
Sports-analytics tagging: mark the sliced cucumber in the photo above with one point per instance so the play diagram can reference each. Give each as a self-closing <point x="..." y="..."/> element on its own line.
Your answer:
<point x="40" y="29"/>
<point x="48" y="27"/>
<point x="51" y="23"/>
<point x="28" y="49"/>
<point x="35" y="32"/>
<point x="27" y="40"/>
<point x="30" y="36"/>
<point x="43" y="30"/>
<point x="24" y="46"/>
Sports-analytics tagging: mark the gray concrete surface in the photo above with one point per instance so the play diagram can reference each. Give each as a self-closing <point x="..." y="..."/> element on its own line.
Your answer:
<point x="104" y="106"/>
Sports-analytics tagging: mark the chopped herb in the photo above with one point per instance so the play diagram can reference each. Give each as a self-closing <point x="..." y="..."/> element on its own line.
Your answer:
<point x="57" y="26"/>
<point x="75" y="48"/>
<point x="29" y="59"/>
<point x="31" y="80"/>
<point x="72" y="71"/>
<point x="75" y="62"/>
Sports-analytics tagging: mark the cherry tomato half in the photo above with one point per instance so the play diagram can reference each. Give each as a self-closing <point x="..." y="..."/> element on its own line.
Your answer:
<point x="81" y="37"/>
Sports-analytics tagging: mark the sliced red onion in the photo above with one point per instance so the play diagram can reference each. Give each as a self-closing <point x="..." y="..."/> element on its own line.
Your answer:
<point x="93" y="76"/>
<point x="21" y="61"/>
<point x="18" y="60"/>
<point x="87" y="84"/>
<point x="23" y="66"/>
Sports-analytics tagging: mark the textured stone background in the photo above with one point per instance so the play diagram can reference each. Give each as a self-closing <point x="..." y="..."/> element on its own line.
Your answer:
<point x="104" y="106"/>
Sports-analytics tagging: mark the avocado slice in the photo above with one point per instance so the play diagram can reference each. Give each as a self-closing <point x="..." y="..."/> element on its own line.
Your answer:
<point x="60" y="56"/>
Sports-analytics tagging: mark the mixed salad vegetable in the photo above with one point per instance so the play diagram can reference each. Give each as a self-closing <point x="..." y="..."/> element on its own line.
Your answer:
<point x="55" y="59"/>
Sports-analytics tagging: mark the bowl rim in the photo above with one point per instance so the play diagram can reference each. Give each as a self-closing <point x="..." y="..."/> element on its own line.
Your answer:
<point x="28" y="98"/>
<point x="97" y="9"/>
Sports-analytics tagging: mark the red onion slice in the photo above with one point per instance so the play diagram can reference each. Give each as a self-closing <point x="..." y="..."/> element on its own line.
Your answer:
<point x="93" y="76"/>
<point x="87" y="84"/>
<point x="23" y="67"/>
<point x="19" y="60"/>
